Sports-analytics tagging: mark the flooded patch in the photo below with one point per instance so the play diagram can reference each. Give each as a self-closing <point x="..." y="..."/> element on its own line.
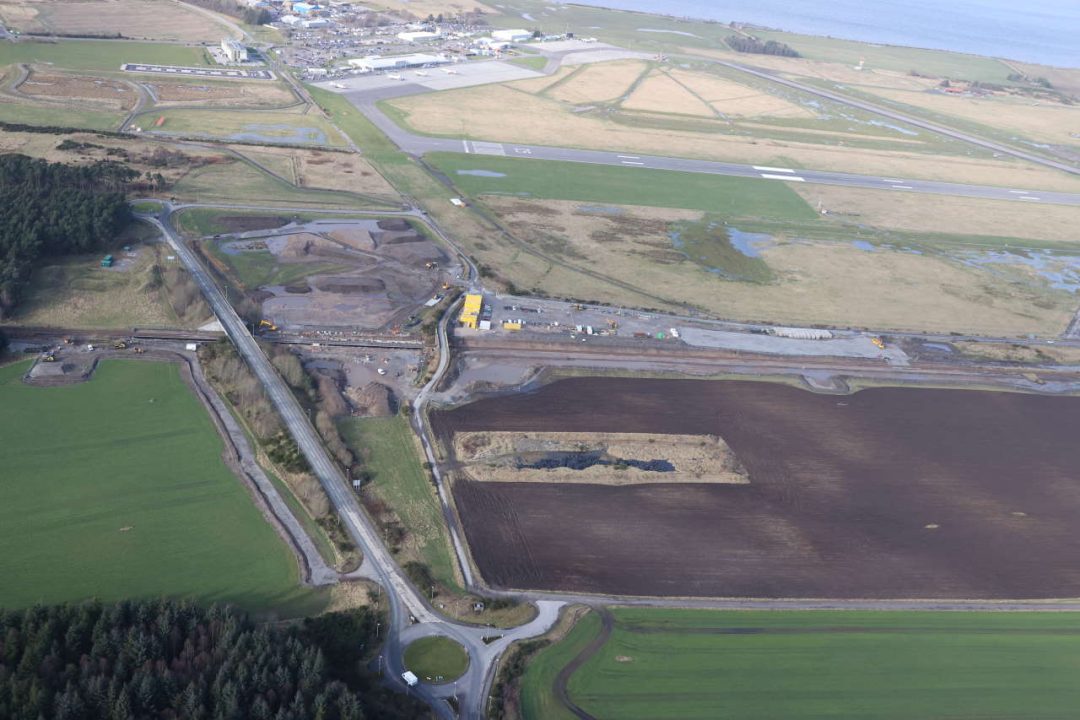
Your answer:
<point x="723" y="250"/>
<point x="586" y="460"/>
<point x="1062" y="272"/>
<point x="482" y="173"/>
<point x="864" y="245"/>
<point x="277" y="132"/>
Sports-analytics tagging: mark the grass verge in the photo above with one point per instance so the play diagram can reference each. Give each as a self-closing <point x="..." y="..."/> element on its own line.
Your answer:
<point x="399" y="480"/>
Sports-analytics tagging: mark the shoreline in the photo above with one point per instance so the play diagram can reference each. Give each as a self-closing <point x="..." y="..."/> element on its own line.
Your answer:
<point x="751" y="26"/>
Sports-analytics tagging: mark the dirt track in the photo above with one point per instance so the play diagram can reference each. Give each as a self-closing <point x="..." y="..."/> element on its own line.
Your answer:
<point x="888" y="493"/>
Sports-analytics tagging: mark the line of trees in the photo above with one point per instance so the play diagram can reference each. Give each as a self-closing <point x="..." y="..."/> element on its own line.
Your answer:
<point x="250" y="15"/>
<point x="55" y="209"/>
<point x="169" y="659"/>
<point x="743" y="44"/>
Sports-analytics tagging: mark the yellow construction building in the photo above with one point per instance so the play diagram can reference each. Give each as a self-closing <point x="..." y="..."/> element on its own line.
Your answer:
<point x="470" y="311"/>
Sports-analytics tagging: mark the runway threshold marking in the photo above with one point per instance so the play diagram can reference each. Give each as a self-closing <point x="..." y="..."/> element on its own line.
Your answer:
<point x="766" y="168"/>
<point x="792" y="178"/>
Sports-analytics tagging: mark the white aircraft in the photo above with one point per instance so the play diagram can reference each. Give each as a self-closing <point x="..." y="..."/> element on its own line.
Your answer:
<point x="395" y="76"/>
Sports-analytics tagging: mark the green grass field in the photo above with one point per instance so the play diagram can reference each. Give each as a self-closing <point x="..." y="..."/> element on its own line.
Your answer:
<point x="99" y="55"/>
<point x="240" y="181"/>
<point x="64" y="116"/>
<point x="538" y="698"/>
<point x="739" y="197"/>
<point x="401" y="482"/>
<point x="115" y="488"/>
<point x="436" y="659"/>
<point x="710" y="664"/>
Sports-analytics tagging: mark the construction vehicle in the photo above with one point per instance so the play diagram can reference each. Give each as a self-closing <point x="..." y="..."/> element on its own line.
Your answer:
<point x="878" y="342"/>
<point x="139" y="350"/>
<point x="69" y="340"/>
<point x="613" y="324"/>
<point x="579" y="306"/>
<point x="267" y="326"/>
<point x="49" y="358"/>
<point x="119" y="345"/>
<point x="107" y="261"/>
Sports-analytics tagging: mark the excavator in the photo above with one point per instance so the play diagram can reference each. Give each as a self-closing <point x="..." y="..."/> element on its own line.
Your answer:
<point x="878" y="342"/>
<point x="267" y="326"/>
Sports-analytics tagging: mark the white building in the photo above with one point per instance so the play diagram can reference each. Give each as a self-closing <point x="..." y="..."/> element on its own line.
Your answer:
<point x="234" y="51"/>
<point x="512" y="36"/>
<point x="315" y="23"/>
<point x="397" y="62"/>
<point x="418" y="36"/>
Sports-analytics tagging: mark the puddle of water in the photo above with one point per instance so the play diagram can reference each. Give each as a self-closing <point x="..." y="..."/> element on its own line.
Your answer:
<point x="863" y="245"/>
<point x="259" y="132"/>
<point x="897" y="128"/>
<point x="748" y="243"/>
<point x="482" y="173"/>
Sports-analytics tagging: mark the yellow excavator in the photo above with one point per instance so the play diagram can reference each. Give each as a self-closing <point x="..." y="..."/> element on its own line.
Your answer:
<point x="878" y="342"/>
<point x="267" y="326"/>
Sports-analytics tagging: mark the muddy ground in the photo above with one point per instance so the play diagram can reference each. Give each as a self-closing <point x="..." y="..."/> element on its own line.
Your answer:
<point x="888" y="493"/>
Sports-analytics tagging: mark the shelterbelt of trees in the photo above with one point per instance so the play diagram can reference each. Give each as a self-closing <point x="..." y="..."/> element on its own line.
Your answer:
<point x="166" y="659"/>
<point x="55" y="209"/>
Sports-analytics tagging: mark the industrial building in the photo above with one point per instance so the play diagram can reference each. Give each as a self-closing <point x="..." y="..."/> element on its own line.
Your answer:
<point x="418" y="36"/>
<point x="397" y="62"/>
<point x="512" y="36"/>
<point x="234" y="51"/>
<point x="470" y="311"/>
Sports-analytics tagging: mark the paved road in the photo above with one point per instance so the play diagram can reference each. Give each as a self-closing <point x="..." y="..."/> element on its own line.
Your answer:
<point x="420" y="145"/>
<point x="410" y="615"/>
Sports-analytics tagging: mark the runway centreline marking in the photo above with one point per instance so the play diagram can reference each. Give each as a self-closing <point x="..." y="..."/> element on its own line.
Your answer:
<point x="793" y="178"/>
<point x="891" y="180"/>
<point x="1019" y="192"/>
<point x="629" y="157"/>
<point x="631" y="162"/>
<point x="1028" y="197"/>
<point x="766" y="168"/>
<point x="903" y="187"/>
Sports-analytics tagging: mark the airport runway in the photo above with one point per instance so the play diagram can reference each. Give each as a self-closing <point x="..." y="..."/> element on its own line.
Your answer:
<point x="420" y="145"/>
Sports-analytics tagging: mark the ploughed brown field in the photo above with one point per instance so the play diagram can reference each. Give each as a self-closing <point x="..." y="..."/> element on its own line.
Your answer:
<point x="887" y="493"/>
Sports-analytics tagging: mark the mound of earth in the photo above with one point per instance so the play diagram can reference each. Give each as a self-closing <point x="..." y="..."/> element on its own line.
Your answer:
<point x="355" y="238"/>
<point x="300" y="245"/>
<point x="394" y="224"/>
<point x="399" y="238"/>
<point x="373" y="400"/>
